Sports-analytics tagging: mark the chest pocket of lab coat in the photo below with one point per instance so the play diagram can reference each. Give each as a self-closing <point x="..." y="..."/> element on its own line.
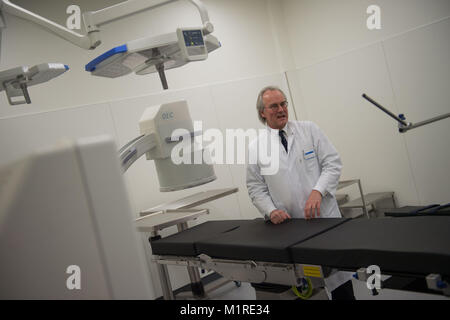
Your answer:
<point x="309" y="158"/>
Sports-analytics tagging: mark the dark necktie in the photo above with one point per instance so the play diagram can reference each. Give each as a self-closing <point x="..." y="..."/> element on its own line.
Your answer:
<point x="283" y="140"/>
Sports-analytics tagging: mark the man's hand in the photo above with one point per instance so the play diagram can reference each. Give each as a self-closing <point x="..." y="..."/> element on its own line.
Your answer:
<point x="312" y="206"/>
<point x="278" y="216"/>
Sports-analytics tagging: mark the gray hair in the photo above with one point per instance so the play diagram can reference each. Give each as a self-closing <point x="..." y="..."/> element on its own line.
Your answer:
<point x="260" y="103"/>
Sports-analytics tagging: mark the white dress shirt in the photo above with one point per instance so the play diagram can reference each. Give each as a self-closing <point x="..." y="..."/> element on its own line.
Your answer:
<point x="311" y="163"/>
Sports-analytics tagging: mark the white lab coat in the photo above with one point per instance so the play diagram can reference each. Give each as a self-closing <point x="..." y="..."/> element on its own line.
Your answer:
<point x="311" y="162"/>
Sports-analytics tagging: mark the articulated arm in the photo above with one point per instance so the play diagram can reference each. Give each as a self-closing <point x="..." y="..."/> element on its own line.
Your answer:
<point x="94" y="19"/>
<point x="404" y="126"/>
<point x="90" y="41"/>
<point x="134" y="149"/>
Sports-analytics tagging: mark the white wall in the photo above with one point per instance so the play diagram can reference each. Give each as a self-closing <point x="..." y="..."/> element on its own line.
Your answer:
<point x="405" y="66"/>
<point x="321" y="29"/>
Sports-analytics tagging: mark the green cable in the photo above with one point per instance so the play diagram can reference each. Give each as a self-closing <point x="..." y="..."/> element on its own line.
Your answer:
<point x="304" y="295"/>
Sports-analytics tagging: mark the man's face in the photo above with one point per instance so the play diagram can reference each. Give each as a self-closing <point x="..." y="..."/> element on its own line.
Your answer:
<point x="275" y="114"/>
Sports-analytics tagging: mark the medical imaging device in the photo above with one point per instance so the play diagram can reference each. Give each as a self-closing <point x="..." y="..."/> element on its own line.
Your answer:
<point x="62" y="208"/>
<point x="162" y="128"/>
<point x="142" y="56"/>
<point x="404" y="126"/>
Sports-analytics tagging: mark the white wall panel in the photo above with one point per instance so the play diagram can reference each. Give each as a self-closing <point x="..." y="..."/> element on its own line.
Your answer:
<point x="21" y="135"/>
<point x="419" y="65"/>
<point x="323" y="29"/>
<point x="329" y="93"/>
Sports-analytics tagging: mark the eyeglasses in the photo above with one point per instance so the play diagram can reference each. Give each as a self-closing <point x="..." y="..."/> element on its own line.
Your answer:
<point x="275" y="106"/>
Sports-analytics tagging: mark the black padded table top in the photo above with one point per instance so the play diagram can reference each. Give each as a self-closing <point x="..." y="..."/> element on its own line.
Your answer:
<point x="417" y="211"/>
<point x="183" y="243"/>
<point x="409" y="245"/>
<point x="263" y="241"/>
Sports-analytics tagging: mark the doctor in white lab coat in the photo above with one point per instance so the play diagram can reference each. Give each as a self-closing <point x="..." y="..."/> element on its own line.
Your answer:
<point x="308" y="172"/>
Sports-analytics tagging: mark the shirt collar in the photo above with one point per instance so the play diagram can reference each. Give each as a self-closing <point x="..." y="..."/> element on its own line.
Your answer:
<point x="287" y="129"/>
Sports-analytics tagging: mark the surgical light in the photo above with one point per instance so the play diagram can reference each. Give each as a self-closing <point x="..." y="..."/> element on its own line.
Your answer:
<point x="142" y="56"/>
<point x="154" y="54"/>
<point x="16" y="81"/>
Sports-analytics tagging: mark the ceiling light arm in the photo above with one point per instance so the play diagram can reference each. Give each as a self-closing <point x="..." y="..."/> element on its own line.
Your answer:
<point x="94" y="19"/>
<point x="207" y="25"/>
<point x="89" y="41"/>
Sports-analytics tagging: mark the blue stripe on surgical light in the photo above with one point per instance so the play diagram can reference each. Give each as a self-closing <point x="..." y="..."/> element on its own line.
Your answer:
<point x="93" y="64"/>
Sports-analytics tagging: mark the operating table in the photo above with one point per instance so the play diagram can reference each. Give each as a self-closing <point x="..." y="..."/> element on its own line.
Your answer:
<point x="413" y="251"/>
